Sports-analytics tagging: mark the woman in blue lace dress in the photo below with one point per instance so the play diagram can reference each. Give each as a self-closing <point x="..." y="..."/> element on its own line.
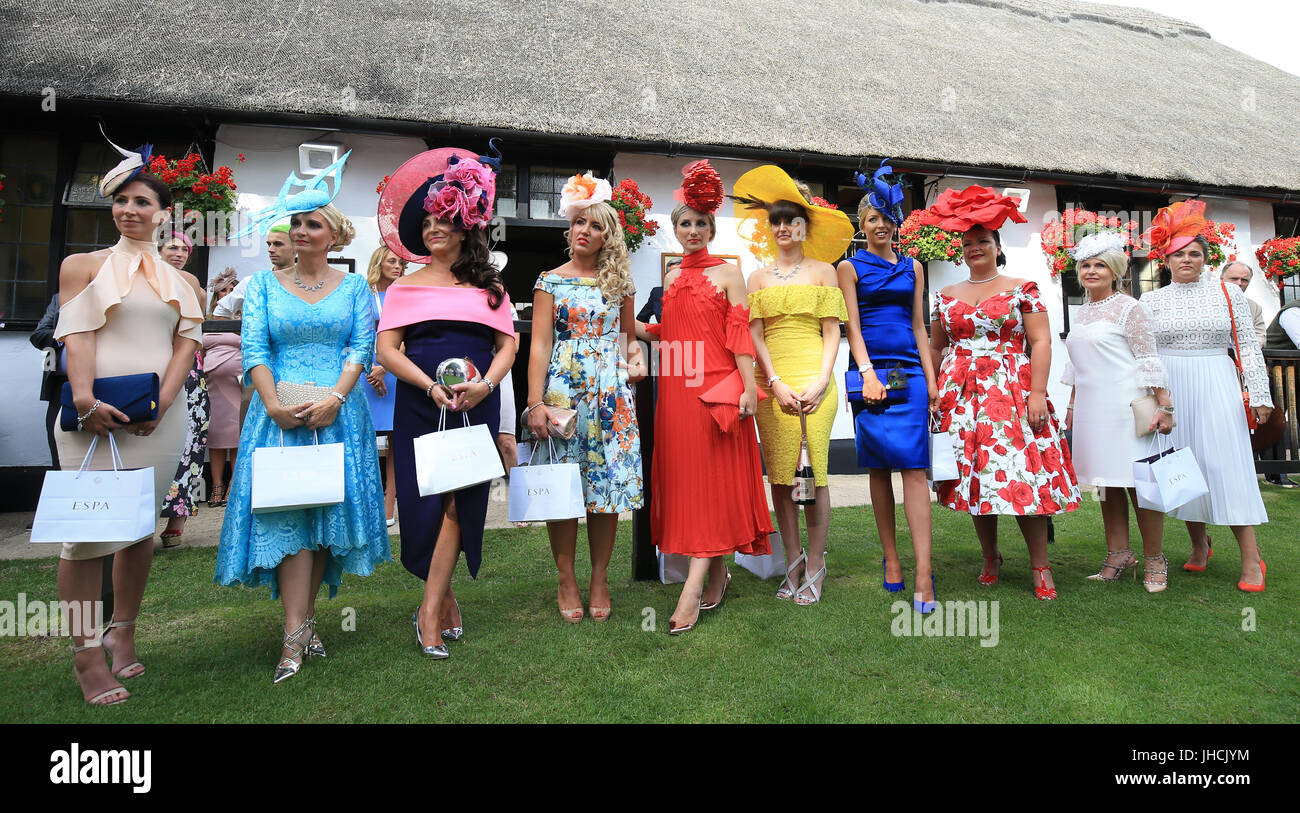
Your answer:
<point x="308" y="324"/>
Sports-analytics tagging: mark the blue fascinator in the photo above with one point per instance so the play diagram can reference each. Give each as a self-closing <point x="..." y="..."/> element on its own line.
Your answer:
<point x="313" y="195"/>
<point x="883" y="196"/>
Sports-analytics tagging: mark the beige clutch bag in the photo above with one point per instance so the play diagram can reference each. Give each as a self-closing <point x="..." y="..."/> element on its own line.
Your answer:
<point x="291" y="394"/>
<point x="567" y="428"/>
<point x="1144" y="412"/>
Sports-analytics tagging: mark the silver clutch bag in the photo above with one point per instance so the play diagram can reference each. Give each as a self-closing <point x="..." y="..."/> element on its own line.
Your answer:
<point x="291" y="394"/>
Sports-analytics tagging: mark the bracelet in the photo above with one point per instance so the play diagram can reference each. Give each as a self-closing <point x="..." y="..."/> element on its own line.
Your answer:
<point x="428" y="391"/>
<point x="342" y="398"/>
<point x="524" y="414"/>
<point x="1168" y="410"/>
<point x="864" y="368"/>
<point x="773" y="380"/>
<point x="82" y="418"/>
<point x="491" y="387"/>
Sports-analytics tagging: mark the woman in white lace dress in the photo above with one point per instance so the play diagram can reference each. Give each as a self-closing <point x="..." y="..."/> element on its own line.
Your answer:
<point x="1113" y="362"/>
<point x="1193" y="337"/>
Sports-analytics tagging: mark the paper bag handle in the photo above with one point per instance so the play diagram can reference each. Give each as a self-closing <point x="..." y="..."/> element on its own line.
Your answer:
<point x="114" y="454"/>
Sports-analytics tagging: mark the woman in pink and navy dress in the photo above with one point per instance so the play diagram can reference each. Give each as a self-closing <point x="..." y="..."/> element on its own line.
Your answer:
<point x="435" y="210"/>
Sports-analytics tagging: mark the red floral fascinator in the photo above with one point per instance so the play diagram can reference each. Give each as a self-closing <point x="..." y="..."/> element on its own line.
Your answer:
<point x="1175" y="226"/>
<point x="702" y="187"/>
<point x="975" y="206"/>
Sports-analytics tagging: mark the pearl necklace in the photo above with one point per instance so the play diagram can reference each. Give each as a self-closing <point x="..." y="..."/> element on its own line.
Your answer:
<point x="1102" y="301"/>
<point x="974" y="281"/>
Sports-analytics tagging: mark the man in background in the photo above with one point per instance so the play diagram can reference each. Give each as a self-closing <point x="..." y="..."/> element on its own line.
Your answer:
<point x="55" y="372"/>
<point x="280" y="250"/>
<point x="1239" y="274"/>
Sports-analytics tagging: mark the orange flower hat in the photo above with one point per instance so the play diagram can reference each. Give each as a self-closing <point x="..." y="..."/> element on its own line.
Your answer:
<point x="974" y="206"/>
<point x="1175" y="226"/>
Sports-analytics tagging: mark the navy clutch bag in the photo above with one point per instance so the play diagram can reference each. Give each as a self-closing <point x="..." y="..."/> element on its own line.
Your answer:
<point x="134" y="395"/>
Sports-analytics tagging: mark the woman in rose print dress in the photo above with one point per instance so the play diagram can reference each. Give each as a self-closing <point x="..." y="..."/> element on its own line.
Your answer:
<point x="992" y="396"/>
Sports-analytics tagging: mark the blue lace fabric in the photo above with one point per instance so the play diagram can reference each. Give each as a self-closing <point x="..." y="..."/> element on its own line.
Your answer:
<point x="301" y="342"/>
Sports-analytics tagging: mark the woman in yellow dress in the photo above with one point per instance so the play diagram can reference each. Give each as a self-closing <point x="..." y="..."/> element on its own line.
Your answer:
<point x="796" y="308"/>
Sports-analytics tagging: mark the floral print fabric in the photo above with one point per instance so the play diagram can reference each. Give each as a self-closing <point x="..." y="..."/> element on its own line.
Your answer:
<point x="1006" y="467"/>
<point x="184" y="490"/>
<point x="587" y="373"/>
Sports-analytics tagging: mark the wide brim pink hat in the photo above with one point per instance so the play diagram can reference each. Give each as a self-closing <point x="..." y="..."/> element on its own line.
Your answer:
<point x="402" y="202"/>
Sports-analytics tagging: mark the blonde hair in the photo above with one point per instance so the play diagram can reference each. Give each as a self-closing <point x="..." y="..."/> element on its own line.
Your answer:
<point x="220" y="281"/>
<point x="377" y="265"/>
<point x="339" y="223"/>
<point x="681" y="209"/>
<point x="1115" y="260"/>
<point x="613" y="268"/>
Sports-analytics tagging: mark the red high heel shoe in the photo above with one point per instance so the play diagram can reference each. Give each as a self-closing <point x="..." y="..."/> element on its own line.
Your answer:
<point x="987" y="577"/>
<point x="1041" y="591"/>
<point x="1255" y="588"/>
<point x="1191" y="568"/>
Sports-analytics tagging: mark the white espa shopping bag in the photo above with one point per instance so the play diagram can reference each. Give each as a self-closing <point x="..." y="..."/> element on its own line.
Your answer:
<point x="287" y="478"/>
<point x="1168" y="479"/>
<point x="452" y="459"/>
<point x="109" y="505"/>
<point x="546" y="491"/>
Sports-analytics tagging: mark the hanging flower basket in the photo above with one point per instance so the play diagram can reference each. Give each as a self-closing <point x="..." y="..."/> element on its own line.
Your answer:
<point x="1280" y="257"/>
<point x="198" y="193"/>
<point x="632" y="204"/>
<point x="921" y="239"/>
<point x="1059" y="237"/>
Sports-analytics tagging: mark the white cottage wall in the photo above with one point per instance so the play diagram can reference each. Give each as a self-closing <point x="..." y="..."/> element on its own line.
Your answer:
<point x="272" y="152"/>
<point x="22" y="413"/>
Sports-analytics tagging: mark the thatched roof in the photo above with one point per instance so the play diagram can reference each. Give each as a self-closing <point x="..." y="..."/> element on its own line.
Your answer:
<point x="1036" y="84"/>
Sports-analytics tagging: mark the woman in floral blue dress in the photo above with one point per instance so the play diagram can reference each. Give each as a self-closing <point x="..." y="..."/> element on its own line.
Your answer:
<point x="308" y="324"/>
<point x="582" y="315"/>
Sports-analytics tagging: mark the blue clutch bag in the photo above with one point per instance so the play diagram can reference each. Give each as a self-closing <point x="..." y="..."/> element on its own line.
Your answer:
<point x="134" y="395"/>
<point x="894" y="382"/>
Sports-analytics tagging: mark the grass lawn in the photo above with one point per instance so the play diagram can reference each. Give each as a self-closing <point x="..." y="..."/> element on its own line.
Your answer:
<point x="1101" y="653"/>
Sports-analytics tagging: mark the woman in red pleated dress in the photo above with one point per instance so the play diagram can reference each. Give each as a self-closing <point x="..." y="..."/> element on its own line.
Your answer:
<point x="707" y="475"/>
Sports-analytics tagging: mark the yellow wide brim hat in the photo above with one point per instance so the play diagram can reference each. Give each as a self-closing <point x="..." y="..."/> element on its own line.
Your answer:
<point x="829" y="231"/>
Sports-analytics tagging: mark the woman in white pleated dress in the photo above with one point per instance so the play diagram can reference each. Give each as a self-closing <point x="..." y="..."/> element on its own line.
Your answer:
<point x="1113" y="362"/>
<point x="1194" y="335"/>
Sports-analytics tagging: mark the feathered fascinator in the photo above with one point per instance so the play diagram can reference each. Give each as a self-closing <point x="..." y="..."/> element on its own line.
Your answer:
<point x="975" y="206"/>
<point x="883" y="196"/>
<point x="132" y="164"/>
<point x="449" y="183"/>
<point x="829" y="231"/>
<point x="1175" y="226"/>
<point x="1098" y="243"/>
<point x="582" y="191"/>
<point x="313" y="195"/>
<point x="701" y="187"/>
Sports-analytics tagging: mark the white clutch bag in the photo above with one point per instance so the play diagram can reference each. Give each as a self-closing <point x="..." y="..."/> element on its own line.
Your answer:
<point x="291" y="394"/>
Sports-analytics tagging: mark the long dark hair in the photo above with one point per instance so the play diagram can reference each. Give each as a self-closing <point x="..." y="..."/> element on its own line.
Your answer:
<point x="474" y="266"/>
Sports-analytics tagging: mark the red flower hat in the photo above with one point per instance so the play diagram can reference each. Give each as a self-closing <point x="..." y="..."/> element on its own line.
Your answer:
<point x="702" y="187"/>
<point x="974" y="206"/>
<point x="1175" y="226"/>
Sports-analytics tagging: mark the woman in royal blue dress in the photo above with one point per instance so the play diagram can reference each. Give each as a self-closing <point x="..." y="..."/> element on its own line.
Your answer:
<point x="307" y="324"/>
<point x="435" y="210"/>
<point x="885" y="295"/>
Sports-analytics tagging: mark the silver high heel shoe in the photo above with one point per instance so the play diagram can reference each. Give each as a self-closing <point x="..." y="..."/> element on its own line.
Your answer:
<point x="437" y="652"/>
<point x="296" y="643"/>
<point x="455" y="633"/>
<point x="315" y="648"/>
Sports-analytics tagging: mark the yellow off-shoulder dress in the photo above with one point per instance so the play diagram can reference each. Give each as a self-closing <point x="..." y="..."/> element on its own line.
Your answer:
<point x="792" y="328"/>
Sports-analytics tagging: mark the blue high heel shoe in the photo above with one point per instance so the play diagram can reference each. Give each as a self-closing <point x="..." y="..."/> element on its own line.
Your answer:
<point x="926" y="607"/>
<point x="892" y="587"/>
